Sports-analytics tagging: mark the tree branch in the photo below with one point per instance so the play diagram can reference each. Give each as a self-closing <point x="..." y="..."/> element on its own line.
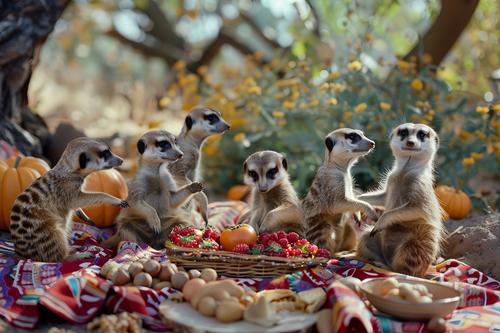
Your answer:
<point x="258" y="31"/>
<point x="315" y="14"/>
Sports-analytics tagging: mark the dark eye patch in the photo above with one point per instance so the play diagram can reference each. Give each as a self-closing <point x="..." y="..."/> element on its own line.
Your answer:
<point x="272" y="173"/>
<point x="212" y="118"/>
<point x="254" y="175"/>
<point x="164" y="145"/>
<point x="422" y="135"/>
<point x="105" y="154"/>
<point x="354" y="137"/>
<point x="403" y="133"/>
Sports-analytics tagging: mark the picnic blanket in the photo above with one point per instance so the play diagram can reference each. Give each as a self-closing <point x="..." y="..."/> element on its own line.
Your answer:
<point x="76" y="292"/>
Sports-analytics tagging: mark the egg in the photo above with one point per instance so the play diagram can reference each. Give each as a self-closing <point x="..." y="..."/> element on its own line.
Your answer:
<point x="208" y="274"/>
<point x="135" y="268"/>
<point x="120" y="277"/>
<point x="162" y="284"/>
<point x="143" y="279"/>
<point x="152" y="267"/>
<point x="179" y="279"/>
<point x="191" y="286"/>
<point x="437" y="325"/>
<point x="194" y="273"/>
<point x="387" y="285"/>
<point x="166" y="272"/>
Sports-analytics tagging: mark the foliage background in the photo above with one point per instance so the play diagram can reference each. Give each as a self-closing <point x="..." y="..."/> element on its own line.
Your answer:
<point x="340" y="58"/>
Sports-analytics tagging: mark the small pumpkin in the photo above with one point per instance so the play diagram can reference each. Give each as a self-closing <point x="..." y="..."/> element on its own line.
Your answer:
<point x="107" y="181"/>
<point x="16" y="174"/>
<point x="238" y="192"/>
<point x="454" y="202"/>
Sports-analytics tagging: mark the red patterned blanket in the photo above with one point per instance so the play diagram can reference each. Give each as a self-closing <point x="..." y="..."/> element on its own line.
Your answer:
<point x="76" y="292"/>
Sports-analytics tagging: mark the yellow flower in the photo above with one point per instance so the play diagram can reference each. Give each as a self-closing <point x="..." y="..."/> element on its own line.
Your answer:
<point x="354" y="66"/>
<point x="334" y="75"/>
<point x="281" y="122"/>
<point x="464" y="135"/>
<point x="482" y="109"/>
<point x="385" y="106"/>
<point x="164" y="102"/>
<point x="239" y="137"/>
<point x="347" y="116"/>
<point x="426" y="58"/>
<point x="417" y="84"/>
<point x="288" y="105"/>
<point x="180" y="65"/>
<point x="477" y="156"/>
<point x="292" y="64"/>
<point x="403" y="65"/>
<point x="332" y="101"/>
<point x="278" y="114"/>
<point x="496" y="107"/>
<point x="324" y="86"/>
<point x="360" y="107"/>
<point x="495" y="123"/>
<point x="338" y="87"/>
<point x="255" y="90"/>
<point x="302" y="106"/>
<point x="314" y="103"/>
<point x="481" y="135"/>
<point x="279" y="96"/>
<point x="294" y="95"/>
<point x="202" y="70"/>
<point x="468" y="161"/>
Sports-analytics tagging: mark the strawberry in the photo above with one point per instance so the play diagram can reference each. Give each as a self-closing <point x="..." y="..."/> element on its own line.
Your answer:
<point x="209" y="244"/>
<point x="176" y="229"/>
<point x="292" y="237"/>
<point x="211" y="234"/>
<point x="264" y="238"/>
<point x="175" y="238"/>
<point x="274" y="247"/>
<point x="281" y="235"/>
<point x="302" y="242"/>
<point x="186" y="231"/>
<point x="242" y="248"/>
<point x="323" y="253"/>
<point x="283" y="242"/>
<point x="274" y="237"/>
<point x="257" y="249"/>
<point x="312" y="248"/>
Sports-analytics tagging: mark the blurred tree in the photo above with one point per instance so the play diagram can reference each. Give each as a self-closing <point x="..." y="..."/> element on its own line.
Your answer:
<point x="24" y="27"/>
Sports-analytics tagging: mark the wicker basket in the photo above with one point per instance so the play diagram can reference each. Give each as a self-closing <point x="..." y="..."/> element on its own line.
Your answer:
<point x="238" y="265"/>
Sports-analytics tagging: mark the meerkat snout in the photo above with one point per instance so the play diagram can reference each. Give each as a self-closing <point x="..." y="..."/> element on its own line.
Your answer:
<point x="264" y="170"/>
<point x="413" y="140"/>
<point x="159" y="146"/>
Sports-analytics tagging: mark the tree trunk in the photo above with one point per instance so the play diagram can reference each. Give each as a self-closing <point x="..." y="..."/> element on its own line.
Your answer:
<point x="24" y="27"/>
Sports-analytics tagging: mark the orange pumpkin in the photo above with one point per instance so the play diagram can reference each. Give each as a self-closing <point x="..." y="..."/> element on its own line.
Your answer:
<point x="107" y="181"/>
<point x="238" y="192"/>
<point x="454" y="202"/>
<point x="16" y="174"/>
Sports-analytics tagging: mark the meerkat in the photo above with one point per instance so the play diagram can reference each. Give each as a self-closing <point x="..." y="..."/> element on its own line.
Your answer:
<point x="200" y="123"/>
<point x="41" y="216"/>
<point x="274" y="204"/>
<point x="330" y="201"/>
<point x="153" y="194"/>
<point x="407" y="236"/>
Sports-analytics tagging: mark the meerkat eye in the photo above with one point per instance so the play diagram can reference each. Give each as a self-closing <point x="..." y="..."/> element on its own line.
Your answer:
<point x="403" y="133"/>
<point x="105" y="154"/>
<point x="354" y="137"/>
<point x="254" y="175"/>
<point x="164" y="145"/>
<point x="422" y="135"/>
<point x="212" y="118"/>
<point x="272" y="173"/>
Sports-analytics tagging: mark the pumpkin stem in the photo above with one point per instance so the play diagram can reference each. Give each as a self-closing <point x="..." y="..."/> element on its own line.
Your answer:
<point x="17" y="161"/>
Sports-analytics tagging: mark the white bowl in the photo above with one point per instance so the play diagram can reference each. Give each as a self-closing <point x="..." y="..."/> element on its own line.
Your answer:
<point x="445" y="300"/>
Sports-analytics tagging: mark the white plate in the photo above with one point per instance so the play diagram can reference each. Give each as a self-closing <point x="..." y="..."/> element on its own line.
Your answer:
<point x="182" y="314"/>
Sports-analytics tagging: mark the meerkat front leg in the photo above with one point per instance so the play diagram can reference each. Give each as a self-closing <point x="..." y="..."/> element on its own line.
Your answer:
<point x="183" y="194"/>
<point x="150" y="215"/>
<point x="81" y="214"/>
<point x="283" y="217"/>
<point x="354" y="205"/>
<point x="91" y="198"/>
<point x="376" y="198"/>
<point x="400" y="214"/>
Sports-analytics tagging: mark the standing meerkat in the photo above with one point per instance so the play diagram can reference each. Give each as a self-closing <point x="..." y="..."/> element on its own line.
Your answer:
<point x="41" y="217"/>
<point x="153" y="194"/>
<point x="200" y="123"/>
<point x="330" y="202"/>
<point x="408" y="234"/>
<point x="274" y="204"/>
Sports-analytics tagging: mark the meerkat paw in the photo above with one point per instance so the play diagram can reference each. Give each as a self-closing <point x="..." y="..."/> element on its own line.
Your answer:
<point x="79" y="256"/>
<point x="195" y="187"/>
<point x="375" y="231"/>
<point x="123" y="204"/>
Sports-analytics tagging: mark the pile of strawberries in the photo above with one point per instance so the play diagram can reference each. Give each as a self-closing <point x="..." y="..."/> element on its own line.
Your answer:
<point x="276" y="244"/>
<point x="195" y="238"/>
<point x="282" y="244"/>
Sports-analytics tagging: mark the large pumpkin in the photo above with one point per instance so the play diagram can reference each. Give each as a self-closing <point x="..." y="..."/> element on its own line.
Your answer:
<point x="453" y="201"/>
<point x="108" y="181"/>
<point x="16" y="174"/>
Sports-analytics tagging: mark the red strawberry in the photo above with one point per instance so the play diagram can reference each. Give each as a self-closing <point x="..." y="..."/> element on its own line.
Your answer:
<point x="323" y="253"/>
<point x="283" y="242"/>
<point x="302" y="242"/>
<point x="186" y="231"/>
<point x="281" y="235"/>
<point x="242" y="248"/>
<point x="175" y="238"/>
<point x="292" y="237"/>
<point x="211" y="233"/>
<point x="176" y="229"/>
<point x="312" y="248"/>
<point x="264" y="238"/>
<point x="274" y="237"/>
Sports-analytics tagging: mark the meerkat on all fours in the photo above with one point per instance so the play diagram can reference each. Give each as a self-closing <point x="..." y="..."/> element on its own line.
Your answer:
<point x="330" y="202"/>
<point x="41" y="217"/>
<point x="153" y="194"/>
<point x="274" y="202"/>
<point x="200" y="123"/>
<point x="407" y="236"/>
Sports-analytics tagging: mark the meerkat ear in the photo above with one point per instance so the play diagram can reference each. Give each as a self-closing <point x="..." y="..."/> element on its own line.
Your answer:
<point x="245" y="167"/>
<point x="141" y="146"/>
<point x="284" y="162"/>
<point x="437" y="142"/>
<point x="329" y="143"/>
<point x="82" y="160"/>
<point x="189" y="122"/>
